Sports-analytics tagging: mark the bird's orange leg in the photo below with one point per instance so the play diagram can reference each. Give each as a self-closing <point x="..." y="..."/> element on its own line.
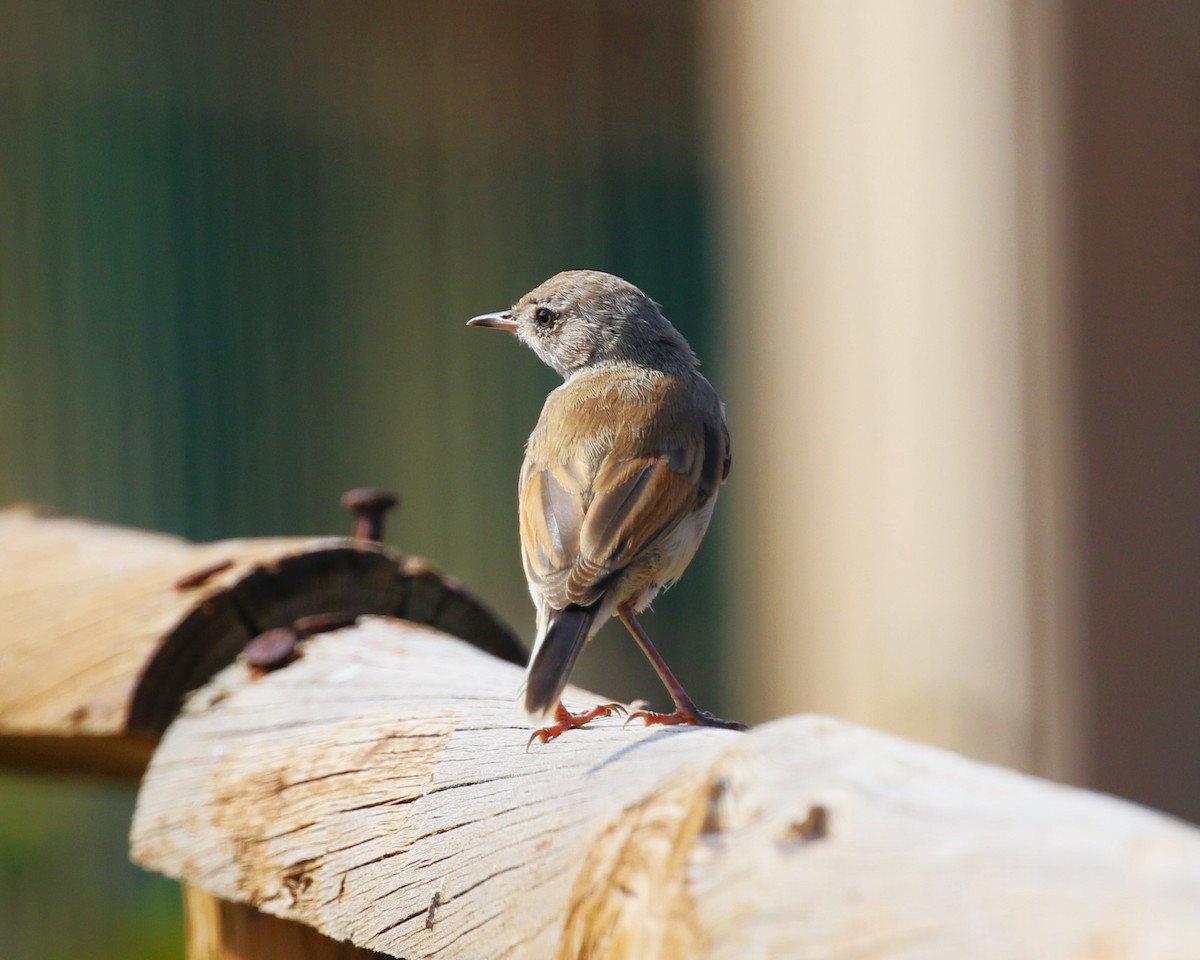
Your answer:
<point x="565" y="720"/>
<point x="686" y="710"/>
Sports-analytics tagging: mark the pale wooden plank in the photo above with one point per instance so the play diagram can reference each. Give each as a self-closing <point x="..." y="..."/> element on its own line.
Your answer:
<point x="378" y="789"/>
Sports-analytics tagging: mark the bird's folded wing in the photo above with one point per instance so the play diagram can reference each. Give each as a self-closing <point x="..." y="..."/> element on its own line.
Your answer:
<point x="576" y="535"/>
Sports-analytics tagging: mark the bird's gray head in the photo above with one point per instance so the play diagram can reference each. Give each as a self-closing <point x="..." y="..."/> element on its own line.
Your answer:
<point x="582" y="318"/>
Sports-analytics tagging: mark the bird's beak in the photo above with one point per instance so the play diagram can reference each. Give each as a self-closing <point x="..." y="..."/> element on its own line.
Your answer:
<point x="499" y="321"/>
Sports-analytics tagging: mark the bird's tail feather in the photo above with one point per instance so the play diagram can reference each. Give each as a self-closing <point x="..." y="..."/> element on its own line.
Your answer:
<point x="554" y="656"/>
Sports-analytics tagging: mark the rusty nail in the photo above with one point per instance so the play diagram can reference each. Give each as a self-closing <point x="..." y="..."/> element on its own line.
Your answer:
<point x="324" y="622"/>
<point x="201" y="577"/>
<point x="369" y="506"/>
<point x="271" y="649"/>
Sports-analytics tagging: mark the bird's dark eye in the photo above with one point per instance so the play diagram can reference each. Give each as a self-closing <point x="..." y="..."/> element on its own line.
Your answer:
<point x="545" y="318"/>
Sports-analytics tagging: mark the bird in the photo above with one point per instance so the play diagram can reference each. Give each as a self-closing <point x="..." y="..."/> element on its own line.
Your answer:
<point x="619" y="480"/>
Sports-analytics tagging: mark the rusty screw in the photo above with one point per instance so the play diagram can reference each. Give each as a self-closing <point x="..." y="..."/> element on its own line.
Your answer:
<point x="369" y="506"/>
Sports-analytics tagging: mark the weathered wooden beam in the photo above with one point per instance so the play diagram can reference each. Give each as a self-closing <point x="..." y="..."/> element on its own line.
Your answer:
<point x="105" y="629"/>
<point x="378" y="790"/>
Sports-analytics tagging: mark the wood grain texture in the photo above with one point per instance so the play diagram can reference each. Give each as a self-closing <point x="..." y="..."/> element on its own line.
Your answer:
<point x="105" y="629"/>
<point x="379" y="790"/>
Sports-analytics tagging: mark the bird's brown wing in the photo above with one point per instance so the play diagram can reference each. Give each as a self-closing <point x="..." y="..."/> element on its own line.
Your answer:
<point x="580" y="527"/>
<point x="552" y="502"/>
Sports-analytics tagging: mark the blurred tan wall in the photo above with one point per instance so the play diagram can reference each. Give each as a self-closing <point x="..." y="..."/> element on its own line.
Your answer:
<point x="873" y="237"/>
<point x="961" y="290"/>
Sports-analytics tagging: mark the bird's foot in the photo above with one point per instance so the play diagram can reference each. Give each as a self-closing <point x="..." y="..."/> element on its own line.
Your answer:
<point x="684" y="715"/>
<point x="565" y="720"/>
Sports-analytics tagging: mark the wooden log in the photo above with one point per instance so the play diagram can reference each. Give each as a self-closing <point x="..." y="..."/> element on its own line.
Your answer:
<point x="378" y="790"/>
<point x="105" y="629"/>
<point x="219" y="930"/>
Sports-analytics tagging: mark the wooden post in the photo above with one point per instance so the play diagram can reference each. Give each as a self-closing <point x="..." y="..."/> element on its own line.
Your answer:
<point x="869" y="182"/>
<point x="220" y="930"/>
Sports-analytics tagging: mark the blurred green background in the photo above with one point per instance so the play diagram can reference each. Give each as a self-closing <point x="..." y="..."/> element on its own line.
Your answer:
<point x="238" y="247"/>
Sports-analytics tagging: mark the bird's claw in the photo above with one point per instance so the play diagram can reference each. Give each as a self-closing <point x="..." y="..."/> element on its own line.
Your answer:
<point x="682" y="715"/>
<point x="564" y="720"/>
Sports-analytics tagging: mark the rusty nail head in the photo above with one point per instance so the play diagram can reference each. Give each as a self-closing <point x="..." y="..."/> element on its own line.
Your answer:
<point x="369" y="506"/>
<point x="271" y="649"/>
